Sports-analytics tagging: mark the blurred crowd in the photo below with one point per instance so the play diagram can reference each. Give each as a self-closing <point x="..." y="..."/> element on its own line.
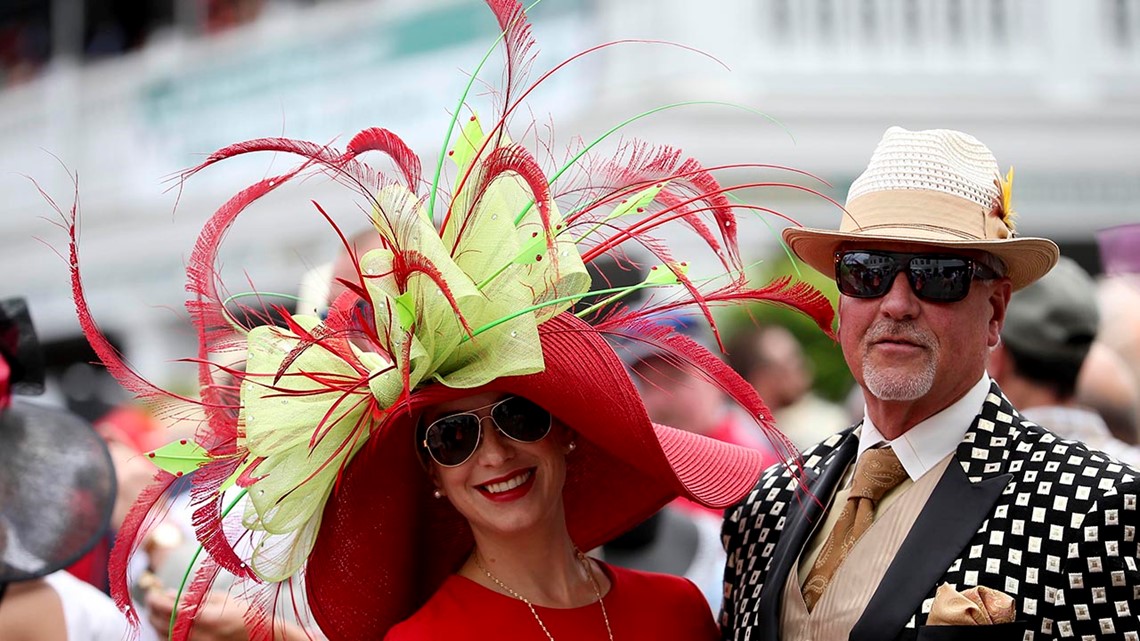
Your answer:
<point x="34" y="32"/>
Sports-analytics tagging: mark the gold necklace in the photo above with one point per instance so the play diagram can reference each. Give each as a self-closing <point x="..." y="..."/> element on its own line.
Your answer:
<point x="593" y="583"/>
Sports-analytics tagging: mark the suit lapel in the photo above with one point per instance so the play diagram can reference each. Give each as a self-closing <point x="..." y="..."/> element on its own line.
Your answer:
<point x="804" y="511"/>
<point x="960" y="502"/>
<point x="953" y="514"/>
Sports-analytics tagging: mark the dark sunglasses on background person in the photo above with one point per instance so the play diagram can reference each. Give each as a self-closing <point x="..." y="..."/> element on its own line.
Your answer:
<point x="451" y="440"/>
<point x="938" y="278"/>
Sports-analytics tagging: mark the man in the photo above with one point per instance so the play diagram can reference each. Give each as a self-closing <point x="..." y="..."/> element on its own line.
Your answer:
<point x="944" y="506"/>
<point x="1049" y="331"/>
<point x="772" y="360"/>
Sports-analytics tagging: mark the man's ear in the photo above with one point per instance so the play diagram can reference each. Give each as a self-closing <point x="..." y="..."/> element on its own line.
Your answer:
<point x="999" y="302"/>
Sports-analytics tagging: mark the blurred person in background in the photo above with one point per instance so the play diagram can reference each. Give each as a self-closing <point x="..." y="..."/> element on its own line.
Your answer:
<point x="1049" y="329"/>
<point x="1118" y="292"/>
<point x="677" y="394"/>
<point x="158" y="569"/>
<point x="128" y="432"/>
<point x="1118" y="295"/>
<point x="681" y="542"/>
<point x="683" y="538"/>
<point x="170" y="547"/>
<point x="225" y="14"/>
<point x="221" y="617"/>
<point x="772" y="360"/>
<point x="57" y="490"/>
<point x="1106" y="384"/>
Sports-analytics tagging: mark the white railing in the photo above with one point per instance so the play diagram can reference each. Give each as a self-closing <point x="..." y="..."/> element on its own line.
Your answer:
<point x="957" y="35"/>
<point x="819" y="39"/>
<point x="894" y="34"/>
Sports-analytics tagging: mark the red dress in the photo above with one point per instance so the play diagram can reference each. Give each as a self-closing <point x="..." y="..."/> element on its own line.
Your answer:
<point x="641" y="605"/>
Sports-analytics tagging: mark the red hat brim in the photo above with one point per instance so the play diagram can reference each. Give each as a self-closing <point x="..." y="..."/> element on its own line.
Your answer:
<point x="385" y="545"/>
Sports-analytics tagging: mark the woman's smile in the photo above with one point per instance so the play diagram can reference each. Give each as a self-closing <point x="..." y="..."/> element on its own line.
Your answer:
<point x="510" y="487"/>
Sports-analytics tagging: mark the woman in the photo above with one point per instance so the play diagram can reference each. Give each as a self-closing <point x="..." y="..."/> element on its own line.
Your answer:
<point x="509" y="489"/>
<point x="465" y="309"/>
<point x="57" y="490"/>
<point x="489" y="494"/>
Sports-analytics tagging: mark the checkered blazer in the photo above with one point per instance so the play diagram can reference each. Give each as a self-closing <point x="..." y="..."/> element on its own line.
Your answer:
<point x="1045" y="520"/>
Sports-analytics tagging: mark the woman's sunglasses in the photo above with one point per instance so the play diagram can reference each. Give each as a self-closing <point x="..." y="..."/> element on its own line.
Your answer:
<point x="933" y="277"/>
<point x="452" y="440"/>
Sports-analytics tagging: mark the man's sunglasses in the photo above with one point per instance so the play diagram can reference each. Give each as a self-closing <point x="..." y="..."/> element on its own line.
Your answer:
<point x="939" y="278"/>
<point x="452" y="440"/>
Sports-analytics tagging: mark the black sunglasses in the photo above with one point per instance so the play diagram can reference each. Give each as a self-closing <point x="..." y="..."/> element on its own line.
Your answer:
<point x="939" y="278"/>
<point x="452" y="440"/>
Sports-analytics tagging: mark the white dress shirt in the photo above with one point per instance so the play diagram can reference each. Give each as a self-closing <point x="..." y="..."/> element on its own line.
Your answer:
<point x="924" y="445"/>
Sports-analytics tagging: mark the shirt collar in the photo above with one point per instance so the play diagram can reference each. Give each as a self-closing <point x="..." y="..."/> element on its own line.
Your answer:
<point x="928" y="442"/>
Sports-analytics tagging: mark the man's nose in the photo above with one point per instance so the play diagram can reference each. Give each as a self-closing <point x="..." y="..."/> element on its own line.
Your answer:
<point x="900" y="301"/>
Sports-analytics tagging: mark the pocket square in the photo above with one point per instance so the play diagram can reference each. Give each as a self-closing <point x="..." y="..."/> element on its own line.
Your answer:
<point x="975" y="606"/>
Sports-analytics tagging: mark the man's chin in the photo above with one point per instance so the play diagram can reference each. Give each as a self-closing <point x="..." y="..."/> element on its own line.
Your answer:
<point x="897" y="384"/>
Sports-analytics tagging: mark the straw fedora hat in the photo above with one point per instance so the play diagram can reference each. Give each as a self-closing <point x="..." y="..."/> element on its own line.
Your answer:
<point x="938" y="188"/>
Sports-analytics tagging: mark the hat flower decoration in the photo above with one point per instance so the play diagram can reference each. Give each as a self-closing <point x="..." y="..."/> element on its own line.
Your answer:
<point x="1003" y="206"/>
<point x="471" y="284"/>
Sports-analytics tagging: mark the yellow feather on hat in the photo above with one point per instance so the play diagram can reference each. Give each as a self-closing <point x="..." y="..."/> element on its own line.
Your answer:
<point x="1005" y="185"/>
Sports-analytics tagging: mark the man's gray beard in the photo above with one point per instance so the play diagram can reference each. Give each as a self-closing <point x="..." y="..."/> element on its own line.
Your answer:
<point x="889" y="384"/>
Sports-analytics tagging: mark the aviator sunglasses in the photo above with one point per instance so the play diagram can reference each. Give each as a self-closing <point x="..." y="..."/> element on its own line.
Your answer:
<point x="938" y="278"/>
<point x="452" y="439"/>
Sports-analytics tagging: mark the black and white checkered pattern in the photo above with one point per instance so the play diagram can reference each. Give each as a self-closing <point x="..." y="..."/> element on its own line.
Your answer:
<point x="1061" y="536"/>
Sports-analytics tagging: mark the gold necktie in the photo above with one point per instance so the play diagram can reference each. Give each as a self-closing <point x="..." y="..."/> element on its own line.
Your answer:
<point x="877" y="472"/>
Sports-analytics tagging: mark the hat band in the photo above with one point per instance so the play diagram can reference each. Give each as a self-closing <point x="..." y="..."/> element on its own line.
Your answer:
<point x="930" y="214"/>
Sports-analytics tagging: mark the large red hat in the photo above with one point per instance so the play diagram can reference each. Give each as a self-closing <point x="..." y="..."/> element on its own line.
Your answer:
<point x="385" y="545"/>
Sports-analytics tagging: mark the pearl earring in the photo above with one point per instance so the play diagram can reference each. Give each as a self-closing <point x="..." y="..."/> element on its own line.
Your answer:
<point x="573" y="446"/>
<point x="437" y="494"/>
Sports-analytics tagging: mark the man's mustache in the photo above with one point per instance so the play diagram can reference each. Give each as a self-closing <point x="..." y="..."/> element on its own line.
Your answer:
<point x="907" y="331"/>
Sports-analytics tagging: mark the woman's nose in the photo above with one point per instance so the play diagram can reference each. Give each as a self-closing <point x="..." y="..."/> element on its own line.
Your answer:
<point x="494" y="448"/>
